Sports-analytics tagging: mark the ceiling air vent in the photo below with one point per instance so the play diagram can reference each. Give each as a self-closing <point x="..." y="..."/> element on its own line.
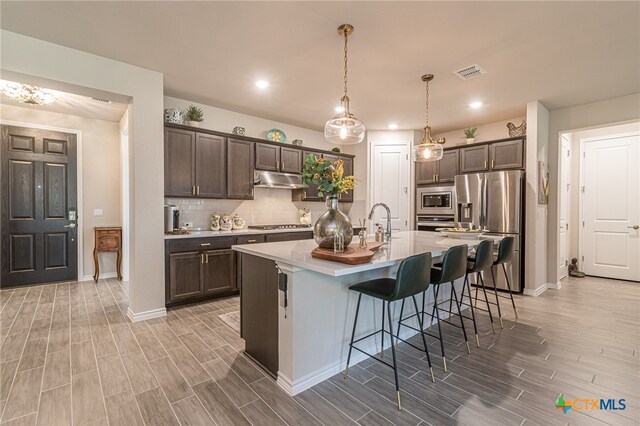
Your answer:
<point x="472" y="71"/>
<point x="104" y="101"/>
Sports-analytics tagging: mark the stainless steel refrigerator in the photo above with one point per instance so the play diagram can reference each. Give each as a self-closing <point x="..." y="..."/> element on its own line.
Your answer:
<point x="495" y="201"/>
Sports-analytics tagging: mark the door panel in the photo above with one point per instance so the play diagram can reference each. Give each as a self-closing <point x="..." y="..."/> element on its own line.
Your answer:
<point x="564" y="193"/>
<point x="389" y="182"/>
<point x="426" y="172"/>
<point x="267" y="157"/>
<point x="611" y="207"/>
<point x="219" y="271"/>
<point x="179" y="153"/>
<point x="240" y="159"/>
<point x="474" y="159"/>
<point x="210" y="170"/>
<point x="38" y="194"/>
<point x="448" y="166"/>
<point x="185" y="279"/>
<point x="291" y="160"/>
<point x="507" y="155"/>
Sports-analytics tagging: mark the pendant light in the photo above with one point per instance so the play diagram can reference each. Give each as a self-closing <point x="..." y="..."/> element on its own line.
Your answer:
<point x="344" y="128"/>
<point x="428" y="149"/>
<point x="27" y="94"/>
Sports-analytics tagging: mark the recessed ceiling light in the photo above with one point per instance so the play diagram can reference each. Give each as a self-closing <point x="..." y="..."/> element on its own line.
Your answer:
<point x="339" y="109"/>
<point x="262" y="84"/>
<point x="475" y="105"/>
<point x="393" y="126"/>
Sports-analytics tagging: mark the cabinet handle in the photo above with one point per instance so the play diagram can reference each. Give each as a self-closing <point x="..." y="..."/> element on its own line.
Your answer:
<point x="193" y="190"/>
<point x="493" y="163"/>
<point x="207" y="258"/>
<point x="304" y="195"/>
<point x="282" y="166"/>
<point x="205" y="244"/>
<point x="485" y="164"/>
<point x="251" y="241"/>
<point x="198" y="190"/>
<point x="437" y="178"/>
<point x="201" y="257"/>
<point x="252" y="192"/>
<point x="433" y="178"/>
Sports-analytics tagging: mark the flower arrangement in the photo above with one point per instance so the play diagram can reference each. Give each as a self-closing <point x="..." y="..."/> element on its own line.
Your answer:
<point x="327" y="175"/>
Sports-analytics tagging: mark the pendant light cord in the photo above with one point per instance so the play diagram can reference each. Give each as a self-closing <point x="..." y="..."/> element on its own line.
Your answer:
<point x="346" y="37"/>
<point x="426" y="109"/>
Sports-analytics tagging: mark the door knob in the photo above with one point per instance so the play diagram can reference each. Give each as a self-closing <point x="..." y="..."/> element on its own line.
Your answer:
<point x="636" y="227"/>
<point x="71" y="225"/>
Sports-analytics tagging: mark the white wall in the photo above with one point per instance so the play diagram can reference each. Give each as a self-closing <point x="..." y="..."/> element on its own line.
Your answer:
<point x="486" y="132"/>
<point x="100" y="173"/>
<point x="580" y="117"/>
<point x="31" y="57"/>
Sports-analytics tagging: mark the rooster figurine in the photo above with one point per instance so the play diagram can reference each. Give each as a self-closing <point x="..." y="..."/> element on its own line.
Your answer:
<point x="521" y="130"/>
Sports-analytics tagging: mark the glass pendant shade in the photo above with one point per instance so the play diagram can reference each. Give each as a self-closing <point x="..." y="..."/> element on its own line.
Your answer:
<point x="344" y="129"/>
<point x="28" y="94"/>
<point x="427" y="152"/>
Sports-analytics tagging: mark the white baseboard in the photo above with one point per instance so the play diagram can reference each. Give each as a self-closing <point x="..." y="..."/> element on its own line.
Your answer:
<point x="536" y="292"/>
<point x="102" y="276"/>
<point x="556" y="286"/>
<point x="331" y="370"/>
<point x="142" y="316"/>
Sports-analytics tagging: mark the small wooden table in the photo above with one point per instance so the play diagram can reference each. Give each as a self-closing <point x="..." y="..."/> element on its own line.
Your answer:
<point x="108" y="239"/>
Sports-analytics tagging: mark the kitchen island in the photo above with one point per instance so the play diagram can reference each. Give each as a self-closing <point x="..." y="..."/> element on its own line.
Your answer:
<point x="297" y="312"/>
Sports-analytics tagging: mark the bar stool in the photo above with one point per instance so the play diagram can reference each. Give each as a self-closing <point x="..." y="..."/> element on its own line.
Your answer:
<point x="412" y="278"/>
<point x="506" y="251"/>
<point x="481" y="263"/>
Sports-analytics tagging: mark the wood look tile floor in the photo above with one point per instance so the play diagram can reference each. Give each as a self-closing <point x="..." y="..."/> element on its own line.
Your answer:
<point x="69" y="355"/>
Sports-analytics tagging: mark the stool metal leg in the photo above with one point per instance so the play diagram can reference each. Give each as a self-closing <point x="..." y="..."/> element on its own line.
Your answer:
<point x="382" y="338"/>
<point x="437" y="312"/>
<point x="400" y="322"/>
<point x="473" y="315"/>
<point x="393" y="354"/>
<point x="424" y="340"/>
<point x="464" y="330"/>
<point x="506" y="276"/>
<point x="353" y="335"/>
<point x="495" y="291"/>
<point x="486" y="300"/>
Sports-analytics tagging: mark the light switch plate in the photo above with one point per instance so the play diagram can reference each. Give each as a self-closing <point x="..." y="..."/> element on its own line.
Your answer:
<point x="97" y="212"/>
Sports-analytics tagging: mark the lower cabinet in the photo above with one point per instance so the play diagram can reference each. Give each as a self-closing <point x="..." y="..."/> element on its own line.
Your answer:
<point x="219" y="272"/>
<point x="185" y="277"/>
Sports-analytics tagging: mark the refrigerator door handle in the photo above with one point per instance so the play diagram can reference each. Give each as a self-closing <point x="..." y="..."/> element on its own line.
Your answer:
<point x="485" y="202"/>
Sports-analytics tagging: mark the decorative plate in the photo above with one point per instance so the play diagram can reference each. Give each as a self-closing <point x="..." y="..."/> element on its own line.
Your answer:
<point x="461" y="233"/>
<point x="276" y="135"/>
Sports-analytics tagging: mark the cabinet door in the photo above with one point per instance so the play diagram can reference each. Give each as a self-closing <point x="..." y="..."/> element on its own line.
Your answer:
<point x="290" y="160"/>
<point x="210" y="167"/>
<point x="219" y="272"/>
<point x="347" y="197"/>
<point x="179" y="154"/>
<point x="507" y="155"/>
<point x="267" y="157"/>
<point x="426" y="172"/>
<point x="448" y="166"/>
<point x="240" y="160"/>
<point x="311" y="192"/>
<point x="474" y="159"/>
<point x="185" y="280"/>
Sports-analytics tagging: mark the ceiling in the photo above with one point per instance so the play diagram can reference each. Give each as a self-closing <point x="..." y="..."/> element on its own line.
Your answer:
<point x="561" y="53"/>
<point x="72" y="104"/>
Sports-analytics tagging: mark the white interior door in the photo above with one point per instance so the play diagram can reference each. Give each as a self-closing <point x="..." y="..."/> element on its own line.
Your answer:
<point x="611" y="207"/>
<point x="564" y="192"/>
<point x="389" y="180"/>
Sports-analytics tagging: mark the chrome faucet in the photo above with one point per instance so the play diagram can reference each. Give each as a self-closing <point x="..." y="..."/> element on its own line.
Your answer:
<point x="387" y="235"/>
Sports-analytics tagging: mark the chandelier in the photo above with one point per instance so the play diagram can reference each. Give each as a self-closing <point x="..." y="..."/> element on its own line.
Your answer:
<point x="28" y="94"/>
<point x="344" y="128"/>
<point x="428" y="149"/>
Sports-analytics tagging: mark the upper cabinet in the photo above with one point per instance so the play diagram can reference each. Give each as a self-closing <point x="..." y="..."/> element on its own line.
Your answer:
<point x="507" y="155"/>
<point x="311" y="192"/>
<point x="240" y="160"/>
<point x="275" y="158"/>
<point x="441" y="171"/>
<point x="194" y="164"/>
<point x="474" y="159"/>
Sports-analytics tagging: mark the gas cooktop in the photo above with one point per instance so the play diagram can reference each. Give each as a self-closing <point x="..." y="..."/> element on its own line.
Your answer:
<point x="272" y="227"/>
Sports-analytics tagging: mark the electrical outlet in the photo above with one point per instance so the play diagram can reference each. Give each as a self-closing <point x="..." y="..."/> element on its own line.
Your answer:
<point x="97" y="212"/>
<point x="188" y="224"/>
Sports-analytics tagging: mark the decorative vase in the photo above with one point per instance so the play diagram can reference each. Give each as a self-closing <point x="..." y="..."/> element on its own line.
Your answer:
<point x="215" y="221"/>
<point x="172" y="115"/>
<point x="471" y="140"/>
<point x="331" y="222"/>
<point x="193" y="123"/>
<point x="238" y="222"/>
<point x="226" y="223"/>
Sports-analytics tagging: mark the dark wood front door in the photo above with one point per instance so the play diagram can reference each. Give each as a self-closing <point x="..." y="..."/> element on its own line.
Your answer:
<point x="39" y="241"/>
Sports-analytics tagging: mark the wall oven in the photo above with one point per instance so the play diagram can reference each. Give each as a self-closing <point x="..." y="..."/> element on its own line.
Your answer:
<point x="436" y="200"/>
<point x="426" y="222"/>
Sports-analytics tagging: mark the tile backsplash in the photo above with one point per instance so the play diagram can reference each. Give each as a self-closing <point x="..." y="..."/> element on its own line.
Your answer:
<point x="269" y="206"/>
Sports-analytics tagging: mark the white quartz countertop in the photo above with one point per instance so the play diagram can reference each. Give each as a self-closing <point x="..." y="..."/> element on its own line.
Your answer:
<point x="403" y="245"/>
<point x="245" y="231"/>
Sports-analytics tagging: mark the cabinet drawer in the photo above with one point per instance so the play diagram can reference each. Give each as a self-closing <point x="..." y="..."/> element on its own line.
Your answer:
<point x="289" y="236"/>
<point x="108" y="243"/>
<point x="196" y="244"/>
<point x="250" y="239"/>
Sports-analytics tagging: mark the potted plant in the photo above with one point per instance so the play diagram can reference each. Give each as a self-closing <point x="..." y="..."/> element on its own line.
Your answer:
<point x="471" y="134"/>
<point x="328" y="176"/>
<point x="194" y="116"/>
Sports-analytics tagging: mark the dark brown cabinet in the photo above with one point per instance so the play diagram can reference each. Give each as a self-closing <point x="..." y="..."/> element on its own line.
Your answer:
<point x="311" y="192"/>
<point x="289" y="236"/>
<point x="179" y="152"/>
<point x="240" y="163"/>
<point x="194" y="164"/>
<point x="278" y="158"/>
<point x="507" y="155"/>
<point x="474" y="159"/>
<point x="219" y="272"/>
<point x="185" y="277"/>
<point x="426" y="172"/>
<point x="441" y="171"/>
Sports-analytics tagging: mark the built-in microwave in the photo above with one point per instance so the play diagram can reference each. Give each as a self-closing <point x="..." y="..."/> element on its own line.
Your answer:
<point x="438" y="200"/>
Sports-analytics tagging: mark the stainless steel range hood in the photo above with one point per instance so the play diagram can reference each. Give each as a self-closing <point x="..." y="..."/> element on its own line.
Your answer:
<point x="277" y="180"/>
